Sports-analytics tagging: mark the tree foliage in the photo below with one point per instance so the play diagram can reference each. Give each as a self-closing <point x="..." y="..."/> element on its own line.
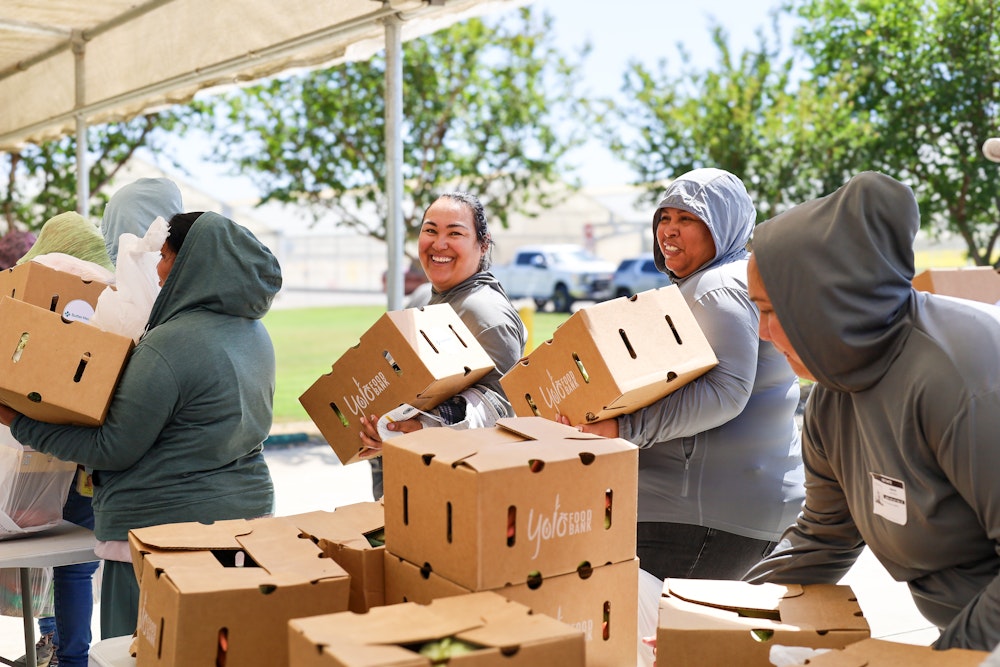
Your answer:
<point x="927" y="75"/>
<point x="907" y="87"/>
<point x="40" y="181"/>
<point x="483" y="111"/>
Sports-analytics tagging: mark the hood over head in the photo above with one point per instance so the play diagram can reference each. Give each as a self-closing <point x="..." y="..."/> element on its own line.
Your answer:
<point x="221" y="267"/>
<point x="71" y="234"/>
<point x="134" y="207"/>
<point x="721" y="201"/>
<point x="837" y="271"/>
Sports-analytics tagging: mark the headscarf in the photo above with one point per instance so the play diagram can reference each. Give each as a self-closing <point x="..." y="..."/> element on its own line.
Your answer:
<point x="71" y="234"/>
<point x="134" y="207"/>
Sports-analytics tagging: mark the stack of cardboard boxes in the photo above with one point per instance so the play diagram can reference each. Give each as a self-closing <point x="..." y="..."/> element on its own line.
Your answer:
<point x="532" y="510"/>
<point x="508" y="545"/>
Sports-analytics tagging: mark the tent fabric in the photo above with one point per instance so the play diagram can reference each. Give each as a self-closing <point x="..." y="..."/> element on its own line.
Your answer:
<point x="137" y="56"/>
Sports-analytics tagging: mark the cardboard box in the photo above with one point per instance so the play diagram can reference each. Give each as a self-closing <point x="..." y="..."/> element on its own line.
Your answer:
<point x="55" y="370"/>
<point x="56" y="291"/>
<point x="602" y="602"/>
<point x="488" y="507"/>
<point x="880" y="653"/>
<point x="346" y="535"/>
<point x="708" y="622"/>
<point x="419" y="356"/>
<point x="503" y="633"/>
<point x="977" y="283"/>
<point x="612" y="358"/>
<point x="223" y="593"/>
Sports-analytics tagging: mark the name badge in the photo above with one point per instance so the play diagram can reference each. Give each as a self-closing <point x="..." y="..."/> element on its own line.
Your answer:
<point x="889" y="496"/>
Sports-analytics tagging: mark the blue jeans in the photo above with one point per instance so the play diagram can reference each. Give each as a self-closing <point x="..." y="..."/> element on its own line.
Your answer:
<point x="685" y="551"/>
<point x="74" y="593"/>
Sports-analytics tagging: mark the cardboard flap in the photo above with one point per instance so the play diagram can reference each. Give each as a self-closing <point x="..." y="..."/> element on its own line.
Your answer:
<point x="882" y="653"/>
<point x="731" y="595"/>
<point x="347" y="525"/>
<point x="404" y="623"/>
<point x="281" y="549"/>
<point x="193" y="535"/>
<point x="824" y="607"/>
<point x="540" y="428"/>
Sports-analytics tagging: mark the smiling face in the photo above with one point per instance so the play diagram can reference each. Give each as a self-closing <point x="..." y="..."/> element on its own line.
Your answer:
<point x="770" y="328"/>
<point x="448" y="248"/>
<point x="684" y="240"/>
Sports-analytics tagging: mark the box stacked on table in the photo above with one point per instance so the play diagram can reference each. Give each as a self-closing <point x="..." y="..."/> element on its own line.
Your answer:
<point x="223" y="593"/>
<point x="354" y="537"/>
<point x="709" y="622"/>
<point x="475" y="630"/>
<point x="416" y="356"/>
<point x="533" y="510"/>
<point x="612" y="358"/>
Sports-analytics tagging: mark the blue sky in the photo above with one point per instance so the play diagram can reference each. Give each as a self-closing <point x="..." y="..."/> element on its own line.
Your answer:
<point x="618" y="31"/>
<point x="644" y="30"/>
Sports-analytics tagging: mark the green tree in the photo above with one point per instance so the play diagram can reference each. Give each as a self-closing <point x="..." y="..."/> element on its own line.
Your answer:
<point x="926" y="75"/>
<point x="742" y="115"/>
<point x="907" y="87"/>
<point x="484" y="107"/>
<point x="40" y="181"/>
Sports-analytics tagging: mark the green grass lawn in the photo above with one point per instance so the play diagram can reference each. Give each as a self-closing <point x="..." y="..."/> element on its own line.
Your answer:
<point x="308" y="340"/>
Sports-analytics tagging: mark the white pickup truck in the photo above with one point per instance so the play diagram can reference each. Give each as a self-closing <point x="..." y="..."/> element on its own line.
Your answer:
<point x="560" y="273"/>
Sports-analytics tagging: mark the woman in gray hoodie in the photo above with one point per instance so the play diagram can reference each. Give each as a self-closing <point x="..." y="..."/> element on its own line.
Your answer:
<point x="900" y="432"/>
<point x="720" y="472"/>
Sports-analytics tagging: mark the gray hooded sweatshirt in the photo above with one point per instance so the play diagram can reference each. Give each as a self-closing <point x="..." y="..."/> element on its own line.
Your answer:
<point x="183" y="437"/>
<point x="900" y="438"/>
<point x="722" y="451"/>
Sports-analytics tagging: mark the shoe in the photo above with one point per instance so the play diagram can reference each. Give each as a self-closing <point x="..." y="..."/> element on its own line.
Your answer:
<point x="45" y="654"/>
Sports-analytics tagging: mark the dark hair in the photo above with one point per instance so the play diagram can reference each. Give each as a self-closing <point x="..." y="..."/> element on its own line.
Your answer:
<point x="479" y="220"/>
<point x="180" y="225"/>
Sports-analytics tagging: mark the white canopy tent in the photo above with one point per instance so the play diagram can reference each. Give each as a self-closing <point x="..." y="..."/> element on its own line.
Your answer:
<point x="66" y="64"/>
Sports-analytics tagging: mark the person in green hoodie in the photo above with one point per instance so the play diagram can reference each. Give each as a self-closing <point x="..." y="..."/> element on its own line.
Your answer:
<point x="183" y="438"/>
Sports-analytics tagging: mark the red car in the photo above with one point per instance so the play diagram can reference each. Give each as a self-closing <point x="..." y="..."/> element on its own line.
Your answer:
<point x="413" y="278"/>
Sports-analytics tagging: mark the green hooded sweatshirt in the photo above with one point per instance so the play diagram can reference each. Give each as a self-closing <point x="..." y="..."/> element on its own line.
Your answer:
<point x="183" y="437"/>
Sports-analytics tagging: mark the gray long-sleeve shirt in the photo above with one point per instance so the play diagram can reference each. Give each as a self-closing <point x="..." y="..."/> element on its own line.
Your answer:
<point x="901" y="432"/>
<point x="722" y="451"/>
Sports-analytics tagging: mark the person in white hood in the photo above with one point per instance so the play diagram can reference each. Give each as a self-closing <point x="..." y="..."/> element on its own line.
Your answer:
<point x="900" y="438"/>
<point x="720" y="472"/>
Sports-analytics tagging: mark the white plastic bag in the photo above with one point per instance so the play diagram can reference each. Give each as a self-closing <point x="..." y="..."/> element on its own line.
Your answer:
<point x="650" y="592"/>
<point x="33" y="488"/>
<point x="125" y="310"/>
<point x="80" y="268"/>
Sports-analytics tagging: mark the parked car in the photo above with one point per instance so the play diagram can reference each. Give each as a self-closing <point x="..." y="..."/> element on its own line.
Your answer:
<point x="413" y="278"/>
<point x="560" y="273"/>
<point x="637" y="274"/>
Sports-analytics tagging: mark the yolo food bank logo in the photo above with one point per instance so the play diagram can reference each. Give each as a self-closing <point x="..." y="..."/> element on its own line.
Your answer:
<point x="366" y="393"/>
<point x="559" y="388"/>
<point x="545" y="527"/>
